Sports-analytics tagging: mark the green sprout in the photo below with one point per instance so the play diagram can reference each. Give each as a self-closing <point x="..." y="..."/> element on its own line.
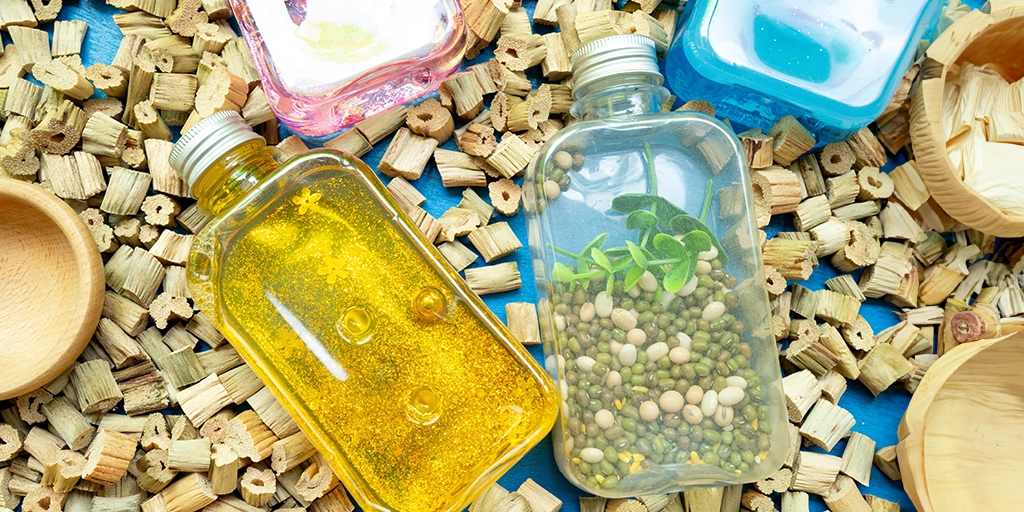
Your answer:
<point x="668" y="243"/>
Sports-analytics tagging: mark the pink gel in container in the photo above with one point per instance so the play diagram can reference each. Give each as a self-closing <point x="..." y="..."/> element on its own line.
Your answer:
<point x="326" y="64"/>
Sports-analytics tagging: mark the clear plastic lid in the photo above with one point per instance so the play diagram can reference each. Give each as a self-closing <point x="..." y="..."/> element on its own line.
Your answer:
<point x="841" y="58"/>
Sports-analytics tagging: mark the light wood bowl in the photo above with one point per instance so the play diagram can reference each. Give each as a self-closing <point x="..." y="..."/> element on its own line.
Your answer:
<point x="51" y="287"/>
<point x="978" y="38"/>
<point x="960" y="441"/>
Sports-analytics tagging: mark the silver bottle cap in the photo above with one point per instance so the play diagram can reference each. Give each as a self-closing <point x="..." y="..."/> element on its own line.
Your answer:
<point x="628" y="54"/>
<point x="208" y="141"/>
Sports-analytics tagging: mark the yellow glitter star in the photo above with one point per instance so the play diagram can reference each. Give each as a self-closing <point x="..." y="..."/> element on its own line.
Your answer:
<point x="333" y="268"/>
<point x="306" y="201"/>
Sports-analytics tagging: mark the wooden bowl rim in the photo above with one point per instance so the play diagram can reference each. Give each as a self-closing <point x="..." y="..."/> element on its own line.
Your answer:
<point x="90" y="287"/>
<point x="933" y="74"/>
<point x="984" y="346"/>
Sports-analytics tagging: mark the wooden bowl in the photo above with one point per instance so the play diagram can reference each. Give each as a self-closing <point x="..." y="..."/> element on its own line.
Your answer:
<point x="51" y="277"/>
<point x="960" y="440"/>
<point x="978" y="38"/>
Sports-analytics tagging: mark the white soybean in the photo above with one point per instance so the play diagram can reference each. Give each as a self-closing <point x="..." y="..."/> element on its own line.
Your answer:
<point x="614" y="379"/>
<point x="688" y="288"/>
<point x="709" y="404"/>
<point x="692" y="415"/>
<point x="560" y="323"/>
<point x="649" y="411"/>
<point x="614" y="347"/>
<point x="623" y="319"/>
<point x="736" y="381"/>
<point x="730" y="396"/>
<point x="657" y="350"/>
<point x="604" y="419"/>
<point x="585" y="363"/>
<point x="684" y="340"/>
<point x="627" y="355"/>
<point x="636" y="337"/>
<point x="694" y="395"/>
<point x="648" y="282"/>
<point x="713" y="311"/>
<point x="592" y="455"/>
<point x="587" y="312"/>
<point x="679" y="355"/>
<point x="723" y="416"/>
<point x="671" y="401"/>
<point x="708" y="255"/>
<point x="603" y="305"/>
<point x="703" y="267"/>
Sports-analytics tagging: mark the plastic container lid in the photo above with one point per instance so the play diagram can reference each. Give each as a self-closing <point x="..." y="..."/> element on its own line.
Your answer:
<point x="840" y="59"/>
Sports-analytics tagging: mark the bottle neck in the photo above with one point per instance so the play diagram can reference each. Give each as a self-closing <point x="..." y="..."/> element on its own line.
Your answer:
<point x="232" y="176"/>
<point x="619" y="95"/>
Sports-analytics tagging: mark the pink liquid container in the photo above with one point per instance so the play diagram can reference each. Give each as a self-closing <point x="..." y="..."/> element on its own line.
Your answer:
<point x="326" y="64"/>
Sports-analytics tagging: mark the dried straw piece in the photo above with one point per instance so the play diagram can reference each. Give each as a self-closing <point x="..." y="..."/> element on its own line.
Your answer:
<point x="494" y="278"/>
<point x="827" y="424"/>
<point x="815" y="472"/>
<point x="792" y="140"/>
<point x="513" y="83"/>
<point x="793" y="258"/>
<point x="842" y="190"/>
<point x="802" y="391"/>
<point x="430" y="119"/>
<point x="407" y="155"/>
<point x="505" y="196"/>
<point x="485" y="17"/>
<point x="104" y="137"/>
<point x="539" y="498"/>
<point x="95" y="387"/>
<point x="223" y="470"/>
<point x="857" y="458"/>
<point x="459" y="169"/>
<point x="846" y="363"/>
<point x="519" y="52"/>
<point x="64" y="472"/>
<point x="189" y="456"/>
<point x="352" y="142"/>
<point x="833" y="385"/>
<point x="759" y="148"/>
<point x="844" y="496"/>
<point x="187" y="494"/>
<point x="886" y="462"/>
<point x="874" y="184"/>
<point x="523" y="322"/>
<point x="222" y="90"/>
<point x="511" y="156"/>
<point x="43" y="499"/>
<point x="257" y="487"/>
<point x="883" y="366"/>
<point x="465" y="93"/>
<point x="33" y="45"/>
<point x="405" y="194"/>
<point x="599" y="24"/>
<point x="493" y="241"/>
<point x="59" y="130"/>
<point x="556" y="64"/>
<point x="204" y="399"/>
<point x="108" y="457"/>
<point x="272" y="413"/>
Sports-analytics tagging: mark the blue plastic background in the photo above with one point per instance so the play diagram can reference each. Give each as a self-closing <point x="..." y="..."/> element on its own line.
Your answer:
<point x="876" y="417"/>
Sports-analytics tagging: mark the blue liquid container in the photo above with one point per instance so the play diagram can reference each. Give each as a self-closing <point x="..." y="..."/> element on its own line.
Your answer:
<point x="833" y="65"/>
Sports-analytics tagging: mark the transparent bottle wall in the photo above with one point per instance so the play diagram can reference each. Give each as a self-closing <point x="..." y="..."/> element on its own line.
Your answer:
<point x="671" y="381"/>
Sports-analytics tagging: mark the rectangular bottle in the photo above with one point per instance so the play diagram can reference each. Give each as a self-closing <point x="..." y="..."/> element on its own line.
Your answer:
<point x="832" y="65"/>
<point x="398" y="373"/>
<point x="326" y="64"/>
<point x="654" y="314"/>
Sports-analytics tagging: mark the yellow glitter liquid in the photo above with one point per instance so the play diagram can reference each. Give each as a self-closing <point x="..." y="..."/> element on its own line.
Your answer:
<point x="397" y="372"/>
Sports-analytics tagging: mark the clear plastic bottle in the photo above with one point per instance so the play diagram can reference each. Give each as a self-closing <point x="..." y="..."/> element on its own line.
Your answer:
<point x="326" y="64"/>
<point x="399" y="374"/>
<point x="833" y="65"/>
<point x="654" y="314"/>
